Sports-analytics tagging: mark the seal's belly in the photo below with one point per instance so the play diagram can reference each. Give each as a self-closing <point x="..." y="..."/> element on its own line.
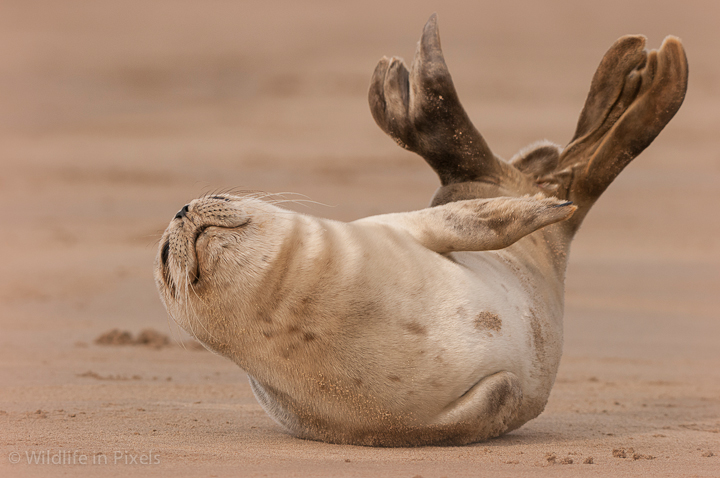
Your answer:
<point x="400" y="330"/>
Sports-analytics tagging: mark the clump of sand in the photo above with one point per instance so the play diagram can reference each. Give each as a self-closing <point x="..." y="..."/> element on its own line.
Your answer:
<point x="147" y="337"/>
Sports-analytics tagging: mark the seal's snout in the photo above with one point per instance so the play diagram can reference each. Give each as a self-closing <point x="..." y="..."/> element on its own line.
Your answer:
<point x="202" y="238"/>
<point x="182" y="212"/>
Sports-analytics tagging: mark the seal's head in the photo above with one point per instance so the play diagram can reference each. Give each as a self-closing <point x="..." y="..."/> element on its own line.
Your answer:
<point x="208" y="242"/>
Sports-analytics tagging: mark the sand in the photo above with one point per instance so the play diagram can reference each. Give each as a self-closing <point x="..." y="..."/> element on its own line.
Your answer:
<point x="114" y="114"/>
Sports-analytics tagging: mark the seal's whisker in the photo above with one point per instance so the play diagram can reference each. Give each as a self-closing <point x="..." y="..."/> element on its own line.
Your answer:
<point x="301" y="202"/>
<point x="285" y="194"/>
<point x="188" y="287"/>
<point x="173" y="330"/>
<point x="260" y="195"/>
<point x="190" y="312"/>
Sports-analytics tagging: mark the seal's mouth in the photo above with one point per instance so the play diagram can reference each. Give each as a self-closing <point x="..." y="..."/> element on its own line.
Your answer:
<point x="164" y="253"/>
<point x="208" y="243"/>
<point x="194" y="274"/>
<point x="184" y="258"/>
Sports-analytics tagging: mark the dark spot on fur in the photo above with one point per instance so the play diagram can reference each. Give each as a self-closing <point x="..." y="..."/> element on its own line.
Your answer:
<point x="480" y="207"/>
<point x="488" y="321"/>
<point x="278" y="281"/>
<point x="394" y="378"/>
<point x="363" y="311"/>
<point x="267" y="335"/>
<point x="293" y="329"/>
<point x="309" y="337"/>
<point x="415" y="328"/>
<point x="497" y="223"/>
<point x="454" y="221"/>
<point x="357" y="382"/>
<point x="528" y="221"/>
<point x="539" y="341"/>
<point x="538" y="338"/>
<point x="305" y="307"/>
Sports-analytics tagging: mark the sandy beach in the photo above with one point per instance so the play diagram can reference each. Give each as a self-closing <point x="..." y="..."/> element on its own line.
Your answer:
<point x="115" y="114"/>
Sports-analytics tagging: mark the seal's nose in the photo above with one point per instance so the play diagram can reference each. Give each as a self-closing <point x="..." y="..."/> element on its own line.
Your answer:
<point x="182" y="212"/>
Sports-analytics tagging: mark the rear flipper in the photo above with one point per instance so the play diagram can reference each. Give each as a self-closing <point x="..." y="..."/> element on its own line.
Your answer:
<point x="478" y="224"/>
<point x="485" y="411"/>
<point x="633" y="95"/>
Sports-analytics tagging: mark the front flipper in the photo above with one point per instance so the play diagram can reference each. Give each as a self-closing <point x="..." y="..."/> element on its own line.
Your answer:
<point x="478" y="224"/>
<point x="485" y="411"/>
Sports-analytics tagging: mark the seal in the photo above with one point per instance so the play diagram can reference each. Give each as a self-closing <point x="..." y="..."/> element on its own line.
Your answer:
<point x="440" y="326"/>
